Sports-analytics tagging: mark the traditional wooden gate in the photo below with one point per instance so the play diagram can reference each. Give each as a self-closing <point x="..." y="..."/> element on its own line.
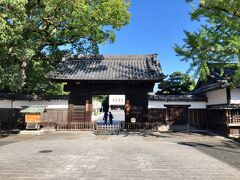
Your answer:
<point x="132" y="75"/>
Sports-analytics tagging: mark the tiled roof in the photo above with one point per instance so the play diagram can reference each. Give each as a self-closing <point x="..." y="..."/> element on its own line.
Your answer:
<point x="32" y="97"/>
<point x="220" y="77"/>
<point x="113" y="67"/>
<point x="225" y="74"/>
<point x="224" y="106"/>
<point x="211" y="87"/>
<point x="176" y="98"/>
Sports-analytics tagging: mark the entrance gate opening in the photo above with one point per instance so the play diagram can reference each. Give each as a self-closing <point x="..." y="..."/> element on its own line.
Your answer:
<point x="108" y="103"/>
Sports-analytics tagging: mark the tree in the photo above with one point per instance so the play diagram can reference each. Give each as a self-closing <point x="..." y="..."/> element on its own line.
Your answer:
<point x="176" y="84"/>
<point x="100" y="98"/>
<point x="35" y="34"/>
<point x="218" y="39"/>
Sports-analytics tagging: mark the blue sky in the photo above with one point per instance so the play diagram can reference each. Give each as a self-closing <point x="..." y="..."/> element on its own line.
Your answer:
<point x="155" y="26"/>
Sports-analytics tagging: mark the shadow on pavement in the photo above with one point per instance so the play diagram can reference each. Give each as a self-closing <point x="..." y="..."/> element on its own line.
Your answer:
<point x="3" y="135"/>
<point x="216" y="147"/>
<point x="2" y="143"/>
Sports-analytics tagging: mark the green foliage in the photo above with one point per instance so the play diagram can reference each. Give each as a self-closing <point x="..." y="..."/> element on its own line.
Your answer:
<point x="33" y="35"/>
<point x="9" y="77"/>
<point x="100" y="98"/>
<point x="218" y="39"/>
<point x="176" y="84"/>
<point x="36" y="81"/>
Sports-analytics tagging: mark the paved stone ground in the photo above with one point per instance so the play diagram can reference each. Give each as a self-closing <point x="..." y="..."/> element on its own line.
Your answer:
<point x="82" y="155"/>
<point x="219" y="147"/>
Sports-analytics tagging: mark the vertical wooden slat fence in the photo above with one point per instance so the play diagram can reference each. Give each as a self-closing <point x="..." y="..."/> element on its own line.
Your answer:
<point x="217" y="120"/>
<point x="233" y="117"/>
<point x="107" y="129"/>
<point x="139" y="126"/>
<point x="73" y="126"/>
<point x="198" y="118"/>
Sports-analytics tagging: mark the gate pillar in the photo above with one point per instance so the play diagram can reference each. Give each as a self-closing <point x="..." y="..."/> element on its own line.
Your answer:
<point x="80" y="107"/>
<point x="136" y="107"/>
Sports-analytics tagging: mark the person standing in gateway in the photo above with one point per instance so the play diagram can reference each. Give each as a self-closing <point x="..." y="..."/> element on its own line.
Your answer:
<point x="105" y="117"/>
<point x="110" y="117"/>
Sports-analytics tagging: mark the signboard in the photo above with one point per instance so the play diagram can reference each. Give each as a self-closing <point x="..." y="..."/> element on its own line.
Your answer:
<point x="32" y="118"/>
<point x="117" y="100"/>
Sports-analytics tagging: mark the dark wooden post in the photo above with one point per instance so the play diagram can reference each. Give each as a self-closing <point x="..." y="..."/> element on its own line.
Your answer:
<point x="80" y="105"/>
<point x="88" y="109"/>
<point x="127" y="110"/>
<point x="137" y="105"/>
<point x="70" y="106"/>
<point x="167" y="115"/>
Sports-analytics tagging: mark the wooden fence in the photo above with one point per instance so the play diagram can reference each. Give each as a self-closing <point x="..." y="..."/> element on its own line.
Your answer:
<point x="139" y="126"/>
<point x="73" y="126"/>
<point x="217" y="120"/>
<point x="107" y="129"/>
<point x="198" y="118"/>
<point x="235" y="119"/>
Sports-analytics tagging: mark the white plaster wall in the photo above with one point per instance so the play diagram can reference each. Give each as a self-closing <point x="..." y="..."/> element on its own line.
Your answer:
<point x="5" y="104"/>
<point x="217" y="97"/>
<point x="116" y="99"/>
<point x="235" y="96"/>
<point x="52" y="104"/>
<point x="160" y="104"/>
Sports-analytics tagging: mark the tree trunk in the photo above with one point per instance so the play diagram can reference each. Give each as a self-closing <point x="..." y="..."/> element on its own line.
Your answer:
<point x="23" y="70"/>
